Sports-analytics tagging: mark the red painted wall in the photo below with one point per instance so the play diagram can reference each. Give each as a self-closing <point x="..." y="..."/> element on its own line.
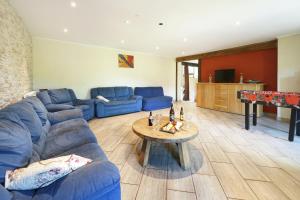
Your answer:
<point x="257" y="65"/>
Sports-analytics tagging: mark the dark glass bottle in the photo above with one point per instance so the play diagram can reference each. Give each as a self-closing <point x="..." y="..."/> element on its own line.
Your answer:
<point x="150" y="119"/>
<point x="181" y="114"/>
<point x="172" y="114"/>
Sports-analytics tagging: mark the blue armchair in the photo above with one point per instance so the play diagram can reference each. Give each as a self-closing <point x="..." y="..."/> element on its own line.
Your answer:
<point x="153" y="98"/>
<point x="65" y="99"/>
<point x="121" y="101"/>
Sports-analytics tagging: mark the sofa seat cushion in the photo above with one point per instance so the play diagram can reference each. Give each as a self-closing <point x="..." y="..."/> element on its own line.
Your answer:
<point x="64" y="126"/>
<point x="91" y="150"/>
<point x="69" y="139"/>
<point x="15" y="143"/>
<point x="28" y="116"/>
<point x="98" y="180"/>
<point x="59" y="96"/>
<point x="83" y="107"/>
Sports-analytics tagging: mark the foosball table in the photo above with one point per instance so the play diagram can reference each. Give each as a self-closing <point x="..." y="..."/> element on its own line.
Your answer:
<point x="270" y="98"/>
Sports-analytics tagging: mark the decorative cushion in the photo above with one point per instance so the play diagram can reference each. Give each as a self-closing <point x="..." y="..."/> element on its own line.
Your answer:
<point x="102" y="98"/>
<point x="30" y="94"/>
<point x="15" y="143"/>
<point x="43" y="173"/>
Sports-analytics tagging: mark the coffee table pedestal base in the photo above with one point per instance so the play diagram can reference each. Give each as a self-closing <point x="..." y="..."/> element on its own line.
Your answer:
<point x="183" y="151"/>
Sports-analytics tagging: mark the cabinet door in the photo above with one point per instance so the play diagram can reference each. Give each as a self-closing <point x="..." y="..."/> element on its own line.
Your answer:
<point x="209" y="96"/>
<point x="221" y="98"/>
<point x="234" y="104"/>
<point x="200" y="95"/>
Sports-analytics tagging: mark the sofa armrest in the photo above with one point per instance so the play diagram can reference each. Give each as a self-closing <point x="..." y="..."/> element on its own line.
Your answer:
<point x="5" y="194"/>
<point x="99" y="101"/>
<point x="84" y="102"/>
<point x="98" y="180"/>
<point x="136" y="97"/>
<point x="58" y="107"/>
<point x="64" y="115"/>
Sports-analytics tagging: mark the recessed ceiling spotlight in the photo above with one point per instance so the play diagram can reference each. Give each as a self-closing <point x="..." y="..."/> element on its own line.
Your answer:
<point x="122" y="41"/>
<point x="160" y="24"/>
<point x="127" y="22"/>
<point x="157" y="48"/>
<point x="237" y="23"/>
<point x="185" y="39"/>
<point x="73" y="4"/>
<point x="65" y="30"/>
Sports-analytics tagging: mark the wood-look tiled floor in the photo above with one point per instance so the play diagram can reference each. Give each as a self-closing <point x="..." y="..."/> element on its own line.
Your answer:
<point x="228" y="162"/>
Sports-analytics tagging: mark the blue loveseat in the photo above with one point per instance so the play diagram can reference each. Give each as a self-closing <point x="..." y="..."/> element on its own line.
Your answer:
<point x="121" y="101"/>
<point x="65" y="99"/>
<point x="28" y="133"/>
<point x="153" y="98"/>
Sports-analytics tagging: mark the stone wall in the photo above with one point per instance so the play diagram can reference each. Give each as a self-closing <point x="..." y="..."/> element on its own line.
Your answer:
<point x="15" y="56"/>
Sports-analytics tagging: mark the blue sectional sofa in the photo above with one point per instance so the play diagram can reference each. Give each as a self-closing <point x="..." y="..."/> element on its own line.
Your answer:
<point x="65" y="99"/>
<point x="29" y="133"/>
<point x="153" y="98"/>
<point x="121" y="101"/>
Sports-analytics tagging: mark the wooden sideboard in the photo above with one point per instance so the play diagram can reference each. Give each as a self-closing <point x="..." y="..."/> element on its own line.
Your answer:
<point x="223" y="96"/>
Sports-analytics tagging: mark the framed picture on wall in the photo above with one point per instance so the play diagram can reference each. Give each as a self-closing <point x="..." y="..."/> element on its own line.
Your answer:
<point x="126" y="61"/>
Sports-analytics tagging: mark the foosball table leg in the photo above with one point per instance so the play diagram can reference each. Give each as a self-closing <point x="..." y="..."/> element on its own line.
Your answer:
<point x="247" y="116"/>
<point x="298" y="122"/>
<point x="254" y="114"/>
<point x="292" y="124"/>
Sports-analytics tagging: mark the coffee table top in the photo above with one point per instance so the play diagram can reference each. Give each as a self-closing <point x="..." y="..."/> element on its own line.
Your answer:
<point x="141" y="128"/>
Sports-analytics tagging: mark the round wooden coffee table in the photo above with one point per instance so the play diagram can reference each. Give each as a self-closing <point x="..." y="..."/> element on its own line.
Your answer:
<point x="149" y="135"/>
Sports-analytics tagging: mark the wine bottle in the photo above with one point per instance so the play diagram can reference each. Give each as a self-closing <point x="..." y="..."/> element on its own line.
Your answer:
<point x="181" y="114"/>
<point x="172" y="114"/>
<point x="150" y="119"/>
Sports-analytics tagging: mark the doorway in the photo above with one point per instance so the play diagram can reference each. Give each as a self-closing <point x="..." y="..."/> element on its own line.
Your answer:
<point x="188" y="76"/>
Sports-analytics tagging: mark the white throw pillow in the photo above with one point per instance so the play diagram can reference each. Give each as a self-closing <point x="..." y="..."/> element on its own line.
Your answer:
<point x="30" y="94"/>
<point x="102" y="98"/>
<point x="43" y="173"/>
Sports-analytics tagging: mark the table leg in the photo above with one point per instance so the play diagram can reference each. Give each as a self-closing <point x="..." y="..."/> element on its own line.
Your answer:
<point x="298" y="124"/>
<point x="184" y="155"/>
<point x="247" y="116"/>
<point x="145" y="151"/>
<point x="254" y="114"/>
<point x="292" y="124"/>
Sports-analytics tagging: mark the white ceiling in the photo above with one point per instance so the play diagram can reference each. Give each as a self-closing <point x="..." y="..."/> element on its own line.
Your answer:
<point x="207" y="24"/>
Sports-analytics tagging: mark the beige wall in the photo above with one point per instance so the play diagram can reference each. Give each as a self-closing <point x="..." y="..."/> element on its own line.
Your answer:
<point x="59" y="64"/>
<point x="15" y="56"/>
<point x="288" y="67"/>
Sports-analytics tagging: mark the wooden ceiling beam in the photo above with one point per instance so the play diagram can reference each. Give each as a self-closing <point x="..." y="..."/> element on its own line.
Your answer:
<point x="252" y="47"/>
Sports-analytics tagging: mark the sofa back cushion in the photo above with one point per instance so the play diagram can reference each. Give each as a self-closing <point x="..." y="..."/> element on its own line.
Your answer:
<point x="107" y="92"/>
<point x="39" y="108"/>
<point x="44" y="97"/>
<point x="148" y="92"/>
<point x="28" y="116"/>
<point x="123" y="93"/>
<point x="15" y="143"/>
<point x="59" y="96"/>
